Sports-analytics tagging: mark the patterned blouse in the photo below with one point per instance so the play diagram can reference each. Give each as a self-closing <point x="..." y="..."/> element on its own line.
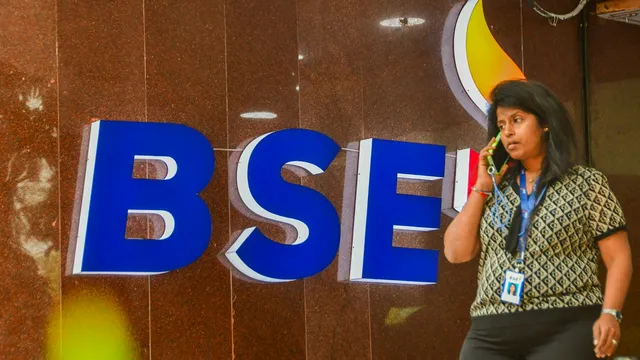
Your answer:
<point x="561" y="256"/>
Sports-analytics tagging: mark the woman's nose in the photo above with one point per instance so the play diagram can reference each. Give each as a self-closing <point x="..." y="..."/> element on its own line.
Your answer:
<point x="507" y="130"/>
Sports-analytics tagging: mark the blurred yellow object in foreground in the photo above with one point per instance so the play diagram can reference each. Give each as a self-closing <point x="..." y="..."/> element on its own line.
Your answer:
<point x="93" y="327"/>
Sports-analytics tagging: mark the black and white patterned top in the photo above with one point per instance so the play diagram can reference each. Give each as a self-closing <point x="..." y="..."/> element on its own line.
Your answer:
<point x="561" y="258"/>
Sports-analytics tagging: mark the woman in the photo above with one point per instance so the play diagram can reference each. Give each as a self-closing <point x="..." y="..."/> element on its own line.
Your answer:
<point x="559" y="217"/>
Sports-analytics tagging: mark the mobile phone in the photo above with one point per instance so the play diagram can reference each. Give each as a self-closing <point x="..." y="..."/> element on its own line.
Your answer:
<point x="500" y="156"/>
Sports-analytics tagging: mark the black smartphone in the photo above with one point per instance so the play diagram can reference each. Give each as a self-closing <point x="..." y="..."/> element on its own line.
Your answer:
<point x="500" y="156"/>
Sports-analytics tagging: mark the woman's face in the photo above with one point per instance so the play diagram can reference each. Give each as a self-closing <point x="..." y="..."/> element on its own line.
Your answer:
<point x="512" y="289"/>
<point x="521" y="133"/>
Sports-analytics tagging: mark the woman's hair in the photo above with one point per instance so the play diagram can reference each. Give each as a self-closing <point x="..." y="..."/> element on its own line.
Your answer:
<point x="535" y="98"/>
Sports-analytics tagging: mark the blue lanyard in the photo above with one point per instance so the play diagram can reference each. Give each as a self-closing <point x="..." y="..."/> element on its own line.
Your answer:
<point x="527" y="204"/>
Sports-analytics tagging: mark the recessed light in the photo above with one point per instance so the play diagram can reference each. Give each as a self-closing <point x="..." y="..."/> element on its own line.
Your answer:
<point x="258" y="115"/>
<point x="402" y="21"/>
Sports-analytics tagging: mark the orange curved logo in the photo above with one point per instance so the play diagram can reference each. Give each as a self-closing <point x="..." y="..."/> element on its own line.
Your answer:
<point x="480" y="63"/>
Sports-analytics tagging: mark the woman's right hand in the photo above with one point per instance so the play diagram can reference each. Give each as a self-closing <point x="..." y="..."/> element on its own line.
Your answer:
<point x="484" y="181"/>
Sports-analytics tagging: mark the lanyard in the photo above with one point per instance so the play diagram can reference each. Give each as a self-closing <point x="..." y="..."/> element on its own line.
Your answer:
<point x="527" y="204"/>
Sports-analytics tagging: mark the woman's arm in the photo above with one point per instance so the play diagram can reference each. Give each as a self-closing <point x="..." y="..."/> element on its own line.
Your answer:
<point x="462" y="238"/>
<point x="616" y="254"/>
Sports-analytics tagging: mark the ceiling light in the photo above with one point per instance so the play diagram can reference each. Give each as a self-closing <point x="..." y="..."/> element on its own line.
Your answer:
<point x="258" y="115"/>
<point x="300" y="57"/>
<point x="402" y="21"/>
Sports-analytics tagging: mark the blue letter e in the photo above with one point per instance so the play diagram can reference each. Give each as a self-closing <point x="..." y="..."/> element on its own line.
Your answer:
<point x="380" y="210"/>
<point x="110" y="194"/>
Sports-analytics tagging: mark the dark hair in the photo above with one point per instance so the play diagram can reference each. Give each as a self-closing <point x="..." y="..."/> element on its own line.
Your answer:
<point x="537" y="99"/>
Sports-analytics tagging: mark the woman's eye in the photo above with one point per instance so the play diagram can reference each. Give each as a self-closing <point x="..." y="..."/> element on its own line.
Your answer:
<point x="518" y="119"/>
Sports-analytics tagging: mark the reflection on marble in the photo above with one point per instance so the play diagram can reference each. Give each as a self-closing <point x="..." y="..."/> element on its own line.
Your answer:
<point x="262" y="74"/>
<point x="397" y="316"/>
<point x="235" y="70"/>
<point x="190" y="308"/>
<point x="100" y="52"/>
<point x="614" y="112"/>
<point x="30" y="275"/>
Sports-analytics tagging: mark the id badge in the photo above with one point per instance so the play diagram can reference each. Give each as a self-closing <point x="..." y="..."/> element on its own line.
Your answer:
<point x="512" y="287"/>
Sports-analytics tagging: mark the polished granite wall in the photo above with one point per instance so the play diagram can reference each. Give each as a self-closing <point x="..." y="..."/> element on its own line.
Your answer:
<point x="614" y="107"/>
<point x="322" y="65"/>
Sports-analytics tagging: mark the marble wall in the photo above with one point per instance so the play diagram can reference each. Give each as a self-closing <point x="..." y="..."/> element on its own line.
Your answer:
<point x="323" y="65"/>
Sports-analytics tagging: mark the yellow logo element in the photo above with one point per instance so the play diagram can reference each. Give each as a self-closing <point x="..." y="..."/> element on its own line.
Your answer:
<point x="480" y="63"/>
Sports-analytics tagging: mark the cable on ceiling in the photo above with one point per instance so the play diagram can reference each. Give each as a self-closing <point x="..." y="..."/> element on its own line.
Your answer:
<point x="554" y="18"/>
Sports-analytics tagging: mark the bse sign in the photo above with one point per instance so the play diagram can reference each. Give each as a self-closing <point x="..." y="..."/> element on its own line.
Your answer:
<point x="109" y="194"/>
